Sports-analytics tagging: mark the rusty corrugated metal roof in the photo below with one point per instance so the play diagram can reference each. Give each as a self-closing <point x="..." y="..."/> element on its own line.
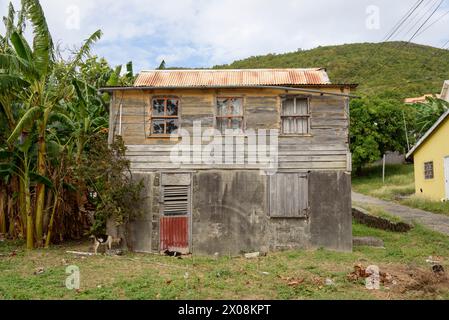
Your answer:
<point x="231" y="78"/>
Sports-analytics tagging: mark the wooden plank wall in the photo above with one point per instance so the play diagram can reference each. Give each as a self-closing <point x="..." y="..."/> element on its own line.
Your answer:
<point x="326" y="148"/>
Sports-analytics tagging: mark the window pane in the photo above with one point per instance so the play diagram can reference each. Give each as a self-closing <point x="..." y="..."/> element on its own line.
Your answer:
<point x="158" y="126"/>
<point x="302" y="107"/>
<point x="158" y="107"/>
<point x="288" y="107"/>
<point x="302" y="126"/>
<point x="236" y="106"/>
<point x="222" y="107"/>
<point x="172" y="126"/>
<point x="172" y="107"/>
<point x="236" y="123"/>
<point x="222" y="124"/>
<point x="288" y="125"/>
<point x="295" y="125"/>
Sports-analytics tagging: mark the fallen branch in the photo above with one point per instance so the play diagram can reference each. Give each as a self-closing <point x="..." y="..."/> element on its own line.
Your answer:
<point x="81" y="253"/>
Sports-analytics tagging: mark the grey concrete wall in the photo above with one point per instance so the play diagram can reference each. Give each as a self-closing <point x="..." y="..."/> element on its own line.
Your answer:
<point x="331" y="215"/>
<point x="230" y="214"/>
<point x="142" y="234"/>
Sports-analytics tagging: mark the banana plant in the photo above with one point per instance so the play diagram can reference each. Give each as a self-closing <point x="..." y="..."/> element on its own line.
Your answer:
<point x="33" y="67"/>
<point x="429" y="112"/>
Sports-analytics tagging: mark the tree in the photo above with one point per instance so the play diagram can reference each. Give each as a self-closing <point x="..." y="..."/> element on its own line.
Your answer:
<point x="162" y="65"/>
<point x="377" y="126"/>
<point x="428" y="114"/>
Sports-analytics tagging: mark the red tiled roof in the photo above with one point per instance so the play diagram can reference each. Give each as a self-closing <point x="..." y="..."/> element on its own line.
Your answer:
<point x="231" y="78"/>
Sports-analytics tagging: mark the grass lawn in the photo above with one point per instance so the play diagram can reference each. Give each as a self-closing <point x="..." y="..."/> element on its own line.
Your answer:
<point x="285" y="275"/>
<point x="399" y="187"/>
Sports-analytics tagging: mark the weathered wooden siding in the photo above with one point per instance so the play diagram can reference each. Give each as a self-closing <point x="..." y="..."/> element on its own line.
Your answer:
<point x="326" y="148"/>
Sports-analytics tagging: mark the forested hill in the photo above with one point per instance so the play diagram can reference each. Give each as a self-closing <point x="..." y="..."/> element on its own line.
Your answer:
<point x="394" y="68"/>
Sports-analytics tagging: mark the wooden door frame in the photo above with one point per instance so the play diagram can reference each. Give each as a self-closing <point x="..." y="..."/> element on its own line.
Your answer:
<point x="190" y="205"/>
<point x="446" y="176"/>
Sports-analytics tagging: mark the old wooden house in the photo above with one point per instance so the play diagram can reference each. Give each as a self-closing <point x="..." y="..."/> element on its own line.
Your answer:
<point x="237" y="160"/>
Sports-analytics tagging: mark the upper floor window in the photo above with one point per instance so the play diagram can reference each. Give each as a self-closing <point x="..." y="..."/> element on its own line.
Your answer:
<point x="164" y="118"/>
<point x="428" y="170"/>
<point x="295" y="116"/>
<point x="229" y="113"/>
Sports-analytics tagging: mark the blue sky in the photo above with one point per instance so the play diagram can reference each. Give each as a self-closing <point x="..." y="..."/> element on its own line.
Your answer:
<point x="203" y="33"/>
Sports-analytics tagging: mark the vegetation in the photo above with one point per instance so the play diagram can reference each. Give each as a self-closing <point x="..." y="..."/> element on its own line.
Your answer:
<point x="377" y="126"/>
<point x="428" y="114"/>
<point x="390" y="70"/>
<point x="399" y="187"/>
<point x="386" y="73"/>
<point x="285" y="275"/>
<point x="52" y="116"/>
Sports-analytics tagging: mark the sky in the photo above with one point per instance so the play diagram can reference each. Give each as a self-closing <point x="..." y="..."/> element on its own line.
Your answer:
<point x="204" y="33"/>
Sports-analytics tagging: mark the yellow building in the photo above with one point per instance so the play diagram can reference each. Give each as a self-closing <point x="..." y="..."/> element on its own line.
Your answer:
<point x="431" y="155"/>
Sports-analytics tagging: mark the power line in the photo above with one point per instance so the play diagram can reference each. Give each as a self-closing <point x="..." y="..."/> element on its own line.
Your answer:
<point x="433" y="23"/>
<point x="445" y="44"/>
<point x="427" y="20"/>
<point x="423" y="16"/>
<point x="403" y="20"/>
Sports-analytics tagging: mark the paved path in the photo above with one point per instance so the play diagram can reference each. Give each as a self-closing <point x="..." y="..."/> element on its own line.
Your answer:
<point x="437" y="222"/>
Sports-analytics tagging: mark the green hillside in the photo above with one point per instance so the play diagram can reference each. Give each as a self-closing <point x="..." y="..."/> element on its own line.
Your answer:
<point x="393" y="68"/>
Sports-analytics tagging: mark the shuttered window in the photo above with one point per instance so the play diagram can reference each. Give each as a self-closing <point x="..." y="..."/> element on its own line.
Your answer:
<point x="295" y="116"/>
<point x="428" y="170"/>
<point x="176" y="200"/>
<point x="288" y="195"/>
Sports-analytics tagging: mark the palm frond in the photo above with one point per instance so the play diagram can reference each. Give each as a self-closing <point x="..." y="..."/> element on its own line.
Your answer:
<point x="15" y="64"/>
<point x="24" y="122"/>
<point x="82" y="104"/>
<point x="42" y="43"/>
<point x="9" y="81"/>
<point x="129" y="70"/>
<point x="37" y="178"/>
<point x="84" y="51"/>
<point x="62" y="118"/>
<point x="9" y="21"/>
<point x="21" y="46"/>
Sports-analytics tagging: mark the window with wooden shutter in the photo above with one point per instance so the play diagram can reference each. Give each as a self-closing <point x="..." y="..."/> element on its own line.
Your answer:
<point x="288" y="195"/>
<point x="428" y="170"/>
<point x="295" y="116"/>
<point x="176" y="200"/>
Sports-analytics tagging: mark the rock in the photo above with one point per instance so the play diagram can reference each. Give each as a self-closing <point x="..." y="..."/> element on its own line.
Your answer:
<point x="369" y="242"/>
<point x="431" y="260"/>
<point x="252" y="255"/>
<point x="330" y="282"/>
<point x="39" y="271"/>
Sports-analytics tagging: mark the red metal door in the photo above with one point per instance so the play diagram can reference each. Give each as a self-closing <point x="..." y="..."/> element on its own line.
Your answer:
<point x="175" y="234"/>
<point x="175" y="219"/>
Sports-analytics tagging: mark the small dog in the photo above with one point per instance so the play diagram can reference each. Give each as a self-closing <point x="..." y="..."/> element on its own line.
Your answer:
<point x="105" y="240"/>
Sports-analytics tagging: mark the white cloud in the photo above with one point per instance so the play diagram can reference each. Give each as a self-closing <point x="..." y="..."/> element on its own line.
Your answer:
<point x="207" y="32"/>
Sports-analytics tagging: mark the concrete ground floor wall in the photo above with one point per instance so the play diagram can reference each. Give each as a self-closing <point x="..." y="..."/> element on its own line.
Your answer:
<point x="230" y="215"/>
